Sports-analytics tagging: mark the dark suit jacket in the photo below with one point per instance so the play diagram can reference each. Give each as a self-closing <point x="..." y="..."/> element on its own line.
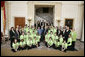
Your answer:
<point x="63" y="33"/>
<point x="12" y="34"/>
<point x="59" y="32"/>
<point x="17" y="34"/>
<point x="67" y="33"/>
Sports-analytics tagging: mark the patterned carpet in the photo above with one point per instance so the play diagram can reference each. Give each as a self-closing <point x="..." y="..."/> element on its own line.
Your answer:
<point x="42" y="51"/>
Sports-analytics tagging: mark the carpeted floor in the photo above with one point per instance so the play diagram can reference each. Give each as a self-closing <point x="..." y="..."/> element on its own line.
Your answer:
<point x="40" y="52"/>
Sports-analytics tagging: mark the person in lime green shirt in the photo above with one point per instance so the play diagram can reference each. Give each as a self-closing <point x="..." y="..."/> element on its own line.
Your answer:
<point x="35" y="31"/>
<point x="64" y="46"/>
<point x="27" y="36"/>
<point x="35" y="42"/>
<point x="47" y="37"/>
<point x="50" y="42"/>
<point x="31" y="30"/>
<point x="38" y="37"/>
<point x="22" y="36"/>
<point x="26" y="29"/>
<point x="74" y="36"/>
<point x="29" y="43"/>
<point x="60" y="40"/>
<point x="69" y="42"/>
<point x="54" y="30"/>
<point x="55" y="37"/>
<point x="52" y="35"/>
<point x="56" y="43"/>
<point x="22" y="44"/>
<point x="15" y="45"/>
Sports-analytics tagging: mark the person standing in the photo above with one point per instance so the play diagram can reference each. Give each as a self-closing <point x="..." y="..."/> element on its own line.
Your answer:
<point x="42" y="33"/>
<point x="74" y="36"/>
<point x="17" y="33"/>
<point x="58" y="31"/>
<point x="12" y="35"/>
<point x="67" y="32"/>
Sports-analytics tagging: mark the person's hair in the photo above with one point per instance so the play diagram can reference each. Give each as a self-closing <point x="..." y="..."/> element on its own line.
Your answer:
<point x="12" y="28"/>
<point x="50" y="37"/>
<point x="51" y="31"/>
<point x="69" y="35"/>
<point x="14" y="40"/>
<point x="35" y="37"/>
<point x="28" y="31"/>
<point x="22" y="32"/>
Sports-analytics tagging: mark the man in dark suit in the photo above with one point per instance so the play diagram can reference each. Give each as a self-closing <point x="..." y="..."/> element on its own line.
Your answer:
<point x="42" y="33"/>
<point x="17" y="34"/>
<point x="67" y="32"/>
<point x="63" y="33"/>
<point x="43" y="24"/>
<point x="12" y="35"/>
<point x="38" y="24"/>
<point x="59" y="31"/>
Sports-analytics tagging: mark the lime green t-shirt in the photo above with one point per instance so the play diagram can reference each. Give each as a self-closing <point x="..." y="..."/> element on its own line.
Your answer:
<point x="74" y="36"/>
<point x="31" y="31"/>
<point x="22" y="43"/>
<point x="35" y="31"/>
<point x="54" y="30"/>
<point x="22" y="37"/>
<point x="33" y="41"/>
<point x="69" y="41"/>
<point x="57" y="44"/>
<point x="65" y="45"/>
<point x="52" y="36"/>
<point x="61" y="40"/>
<point x="49" y="31"/>
<point x="26" y="38"/>
<point x="29" y="42"/>
<point x="38" y="38"/>
<point x="50" y="43"/>
<point x="55" y="37"/>
<point x="47" y="36"/>
<point x="26" y="29"/>
<point x="15" y="45"/>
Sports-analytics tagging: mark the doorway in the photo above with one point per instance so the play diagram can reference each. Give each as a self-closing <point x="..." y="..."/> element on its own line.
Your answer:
<point x="69" y="22"/>
<point x="20" y="21"/>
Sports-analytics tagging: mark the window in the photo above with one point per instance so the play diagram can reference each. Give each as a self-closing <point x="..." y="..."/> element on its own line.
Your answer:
<point x="45" y="10"/>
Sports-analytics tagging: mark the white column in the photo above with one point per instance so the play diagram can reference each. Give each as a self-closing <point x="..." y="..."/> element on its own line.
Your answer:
<point x="82" y="29"/>
<point x="82" y="39"/>
<point x="57" y="13"/>
<point x="31" y="12"/>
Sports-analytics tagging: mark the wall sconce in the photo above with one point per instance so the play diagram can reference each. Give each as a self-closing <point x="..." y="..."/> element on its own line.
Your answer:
<point x="29" y="20"/>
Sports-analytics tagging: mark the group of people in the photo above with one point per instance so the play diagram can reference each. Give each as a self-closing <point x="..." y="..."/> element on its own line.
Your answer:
<point x="61" y="38"/>
<point x="29" y="38"/>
